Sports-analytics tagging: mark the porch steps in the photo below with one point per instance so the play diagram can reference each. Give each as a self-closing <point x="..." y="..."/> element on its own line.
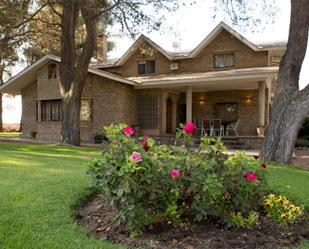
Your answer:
<point x="234" y="143"/>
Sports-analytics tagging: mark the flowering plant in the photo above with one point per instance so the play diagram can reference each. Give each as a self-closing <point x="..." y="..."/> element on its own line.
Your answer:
<point x="281" y="210"/>
<point x="128" y="131"/>
<point x="189" y="128"/>
<point x="148" y="183"/>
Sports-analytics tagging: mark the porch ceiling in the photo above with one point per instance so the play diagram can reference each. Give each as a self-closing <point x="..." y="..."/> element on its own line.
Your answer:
<point x="234" y="79"/>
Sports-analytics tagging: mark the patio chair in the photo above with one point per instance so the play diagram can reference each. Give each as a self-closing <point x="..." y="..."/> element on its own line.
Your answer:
<point x="198" y="130"/>
<point x="232" y="127"/>
<point x="218" y="128"/>
<point x="207" y="128"/>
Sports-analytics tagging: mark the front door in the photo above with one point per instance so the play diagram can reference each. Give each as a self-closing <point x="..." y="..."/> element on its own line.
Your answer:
<point x="169" y="116"/>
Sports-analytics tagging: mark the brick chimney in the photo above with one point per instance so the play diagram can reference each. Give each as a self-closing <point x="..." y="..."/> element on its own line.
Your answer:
<point x="101" y="48"/>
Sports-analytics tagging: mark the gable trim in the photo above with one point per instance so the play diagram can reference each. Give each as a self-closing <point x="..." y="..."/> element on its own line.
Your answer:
<point x="135" y="46"/>
<point x="215" y="32"/>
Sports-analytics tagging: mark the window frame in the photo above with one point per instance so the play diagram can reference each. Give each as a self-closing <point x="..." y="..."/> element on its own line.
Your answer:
<point x="47" y="111"/>
<point x="223" y="53"/>
<point x="148" y="114"/>
<point x="91" y="110"/>
<point x="52" y="71"/>
<point x="226" y="115"/>
<point x="145" y="63"/>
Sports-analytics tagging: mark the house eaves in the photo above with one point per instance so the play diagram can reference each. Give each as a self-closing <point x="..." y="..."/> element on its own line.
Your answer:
<point x="29" y="75"/>
<point x="192" y="78"/>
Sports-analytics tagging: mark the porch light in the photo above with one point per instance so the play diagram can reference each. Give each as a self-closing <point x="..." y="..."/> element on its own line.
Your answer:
<point x="202" y="101"/>
<point x="248" y="99"/>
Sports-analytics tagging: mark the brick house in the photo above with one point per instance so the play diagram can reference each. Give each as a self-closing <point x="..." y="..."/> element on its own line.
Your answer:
<point x="225" y="76"/>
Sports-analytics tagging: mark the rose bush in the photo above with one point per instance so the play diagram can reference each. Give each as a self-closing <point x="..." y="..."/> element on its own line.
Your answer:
<point x="148" y="183"/>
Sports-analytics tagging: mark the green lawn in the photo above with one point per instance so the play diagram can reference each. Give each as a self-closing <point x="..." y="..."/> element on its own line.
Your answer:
<point x="9" y="134"/>
<point x="39" y="184"/>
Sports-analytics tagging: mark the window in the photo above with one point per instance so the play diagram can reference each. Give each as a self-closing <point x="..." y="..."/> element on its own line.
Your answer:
<point x="227" y="111"/>
<point x="52" y="71"/>
<point x="224" y="60"/>
<point x="146" y="67"/>
<point x="147" y="107"/>
<point x="86" y="110"/>
<point x="51" y="110"/>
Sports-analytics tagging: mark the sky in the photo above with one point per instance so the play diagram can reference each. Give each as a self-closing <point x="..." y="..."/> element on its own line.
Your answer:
<point x="188" y="26"/>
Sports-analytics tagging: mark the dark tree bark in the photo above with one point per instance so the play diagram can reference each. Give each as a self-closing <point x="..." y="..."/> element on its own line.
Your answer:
<point x="73" y="68"/>
<point x="1" y="99"/>
<point x="290" y="105"/>
<point x="1" y="121"/>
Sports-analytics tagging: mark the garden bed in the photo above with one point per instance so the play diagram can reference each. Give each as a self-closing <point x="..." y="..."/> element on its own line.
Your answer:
<point x="97" y="216"/>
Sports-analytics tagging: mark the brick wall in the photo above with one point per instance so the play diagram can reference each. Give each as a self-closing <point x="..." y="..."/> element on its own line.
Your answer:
<point x="245" y="57"/>
<point x="29" y="97"/>
<point x="113" y="102"/>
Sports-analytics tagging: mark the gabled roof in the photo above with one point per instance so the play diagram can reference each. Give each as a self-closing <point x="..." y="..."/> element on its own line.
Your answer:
<point x="216" y="31"/>
<point x="29" y="75"/>
<point x="190" y="54"/>
<point x="136" y="45"/>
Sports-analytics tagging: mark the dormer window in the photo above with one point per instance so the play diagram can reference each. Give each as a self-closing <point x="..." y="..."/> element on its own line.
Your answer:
<point x="146" y="67"/>
<point x="52" y="71"/>
<point x="223" y="60"/>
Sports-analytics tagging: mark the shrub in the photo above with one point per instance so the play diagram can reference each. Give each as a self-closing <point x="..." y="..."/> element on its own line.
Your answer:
<point x="148" y="183"/>
<point x="302" y="142"/>
<point x="237" y="220"/>
<point x="281" y="210"/>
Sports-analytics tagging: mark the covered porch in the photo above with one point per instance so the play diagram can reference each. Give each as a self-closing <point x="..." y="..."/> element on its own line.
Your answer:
<point x="241" y="96"/>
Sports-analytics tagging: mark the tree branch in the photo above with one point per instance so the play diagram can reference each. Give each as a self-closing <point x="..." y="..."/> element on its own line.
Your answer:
<point x="53" y="9"/>
<point x="31" y="17"/>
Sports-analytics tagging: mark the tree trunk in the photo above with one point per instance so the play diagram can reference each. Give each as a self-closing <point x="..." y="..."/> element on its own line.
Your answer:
<point x="290" y="105"/>
<point x="1" y="121"/>
<point x="71" y="119"/>
<point x="73" y="69"/>
<point x="1" y="99"/>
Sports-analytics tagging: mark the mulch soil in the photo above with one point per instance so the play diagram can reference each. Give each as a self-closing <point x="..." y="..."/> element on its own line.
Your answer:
<point x="97" y="216"/>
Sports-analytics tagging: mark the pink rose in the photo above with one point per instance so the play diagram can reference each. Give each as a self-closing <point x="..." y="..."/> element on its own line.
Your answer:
<point x="175" y="173"/>
<point x="136" y="157"/>
<point x="189" y="128"/>
<point x="251" y="177"/>
<point x="128" y="131"/>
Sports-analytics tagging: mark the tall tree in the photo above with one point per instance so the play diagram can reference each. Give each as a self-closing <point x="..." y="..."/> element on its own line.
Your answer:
<point x="73" y="66"/>
<point x="14" y="15"/>
<point x="290" y="105"/>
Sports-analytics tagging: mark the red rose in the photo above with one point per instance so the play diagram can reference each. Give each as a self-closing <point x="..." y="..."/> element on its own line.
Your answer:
<point x="145" y="145"/>
<point x="251" y="177"/>
<point x="128" y="131"/>
<point x="189" y="128"/>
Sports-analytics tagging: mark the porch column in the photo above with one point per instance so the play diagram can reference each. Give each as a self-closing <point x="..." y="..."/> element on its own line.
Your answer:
<point x="189" y="104"/>
<point x="261" y="103"/>
<point x="174" y="101"/>
<point x="163" y="114"/>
